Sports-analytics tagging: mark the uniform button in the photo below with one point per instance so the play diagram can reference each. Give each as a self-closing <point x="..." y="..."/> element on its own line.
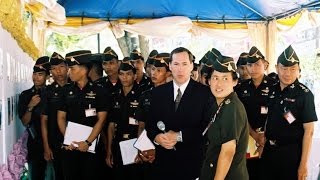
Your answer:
<point x="211" y="165"/>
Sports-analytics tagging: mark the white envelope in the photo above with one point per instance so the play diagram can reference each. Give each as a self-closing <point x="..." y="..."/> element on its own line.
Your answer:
<point x="128" y="152"/>
<point x="143" y="143"/>
<point x="78" y="132"/>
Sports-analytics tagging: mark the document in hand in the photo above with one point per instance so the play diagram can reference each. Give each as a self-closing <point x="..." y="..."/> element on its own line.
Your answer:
<point x="78" y="132"/>
<point x="143" y="143"/>
<point x="128" y="152"/>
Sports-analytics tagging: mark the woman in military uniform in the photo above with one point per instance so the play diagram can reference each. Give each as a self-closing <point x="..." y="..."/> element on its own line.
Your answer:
<point x="290" y="124"/>
<point x="227" y="131"/>
<point x="122" y="125"/>
<point x="86" y="104"/>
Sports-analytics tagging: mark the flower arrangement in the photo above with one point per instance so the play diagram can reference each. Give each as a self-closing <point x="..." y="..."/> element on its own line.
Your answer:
<point x="11" y="20"/>
<point x="16" y="160"/>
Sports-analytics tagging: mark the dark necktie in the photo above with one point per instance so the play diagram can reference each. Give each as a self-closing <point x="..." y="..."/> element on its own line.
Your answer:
<point x="178" y="98"/>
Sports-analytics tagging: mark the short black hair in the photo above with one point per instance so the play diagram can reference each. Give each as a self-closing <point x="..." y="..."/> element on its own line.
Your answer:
<point x="180" y="50"/>
<point x="97" y="67"/>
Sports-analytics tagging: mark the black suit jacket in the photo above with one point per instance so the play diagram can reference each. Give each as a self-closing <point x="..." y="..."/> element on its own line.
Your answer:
<point x="191" y="117"/>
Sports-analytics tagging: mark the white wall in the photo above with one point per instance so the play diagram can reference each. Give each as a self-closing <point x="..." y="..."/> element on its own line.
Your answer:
<point x="15" y="76"/>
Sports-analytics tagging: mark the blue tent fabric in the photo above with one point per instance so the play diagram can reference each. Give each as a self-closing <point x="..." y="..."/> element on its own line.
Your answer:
<point x="203" y="10"/>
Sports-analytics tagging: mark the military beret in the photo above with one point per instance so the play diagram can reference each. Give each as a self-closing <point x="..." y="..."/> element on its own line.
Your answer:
<point x="254" y="55"/>
<point x="80" y="57"/>
<point x="288" y="57"/>
<point x="162" y="60"/>
<point x="56" y="59"/>
<point x="242" y="59"/>
<point x="151" y="57"/>
<point x="224" y="64"/>
<point x="135" y="55"/>
<point x="109" y="54"/>
<point x="126" y="65"/>
<point x="206" y="68"/>
<point x="42" y="64"/>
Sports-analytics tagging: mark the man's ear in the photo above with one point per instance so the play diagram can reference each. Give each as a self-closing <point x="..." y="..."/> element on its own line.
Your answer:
<point x="266" y="65"/>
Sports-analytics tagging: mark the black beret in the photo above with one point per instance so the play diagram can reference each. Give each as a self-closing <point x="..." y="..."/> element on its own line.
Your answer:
<point x="109" y="54"/>
<point x="42" y="64"/>
<point x="206" y="68"/>
<point x="151" y="57"/>
<point x="224" y="64"/>
<point x="135" y="54"/>
<point x="126" y="65"/>
<point x="162" y="60"/>
<point x="56" y="59"/>
<point x="242" y="59"/>
<point x="81" y="57"/>
<point x="288" y="57"/>
<point x="255" y="55"/>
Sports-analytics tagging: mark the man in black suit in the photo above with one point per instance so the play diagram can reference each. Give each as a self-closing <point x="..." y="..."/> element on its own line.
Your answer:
<point x="182" y="107"/>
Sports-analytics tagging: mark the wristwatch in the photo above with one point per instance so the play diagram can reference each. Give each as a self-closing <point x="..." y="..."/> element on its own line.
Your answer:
<point x="89" y="143"/>
<point x="30" y="109"/>
<point x="179" y="136"/>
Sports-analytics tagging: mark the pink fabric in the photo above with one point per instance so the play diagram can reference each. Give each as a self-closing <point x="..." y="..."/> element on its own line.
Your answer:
<point x="16" y="160"/>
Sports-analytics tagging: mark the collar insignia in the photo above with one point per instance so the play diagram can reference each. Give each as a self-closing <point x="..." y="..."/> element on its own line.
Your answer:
<point x="292" y="86"/>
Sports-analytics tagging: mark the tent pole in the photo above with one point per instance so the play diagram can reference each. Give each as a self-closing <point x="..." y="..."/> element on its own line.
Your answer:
<point x="255" y="11"/>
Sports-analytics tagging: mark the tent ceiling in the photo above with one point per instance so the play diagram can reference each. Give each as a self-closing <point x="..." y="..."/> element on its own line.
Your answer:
<point x="202" y="10"/>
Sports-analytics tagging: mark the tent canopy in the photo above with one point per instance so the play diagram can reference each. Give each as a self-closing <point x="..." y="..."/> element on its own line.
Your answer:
<point x="202" y="10"/>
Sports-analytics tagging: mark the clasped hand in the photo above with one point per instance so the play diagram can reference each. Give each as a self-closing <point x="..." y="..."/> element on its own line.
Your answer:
<point x="167" y="140"/>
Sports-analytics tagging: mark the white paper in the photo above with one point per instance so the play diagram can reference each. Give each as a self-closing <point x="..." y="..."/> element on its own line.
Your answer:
<point x="78" y="132"/>
<point x="143" y="143"/>
<point x="128" y="152"/>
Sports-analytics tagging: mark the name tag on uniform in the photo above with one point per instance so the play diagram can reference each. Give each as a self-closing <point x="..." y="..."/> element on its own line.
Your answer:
<point x="264" y="110"/>
<point x="90" y="112"/>
<point x="133" y="121"/>
<point x="289" y="117"/>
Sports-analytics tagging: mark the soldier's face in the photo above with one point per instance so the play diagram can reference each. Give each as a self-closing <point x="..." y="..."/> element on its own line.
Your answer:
<point x="77" y="72"/>
<point x="111" y="67"/>
<point x="39" y="78"/>
<point x="203" y="79"/>
<point x="127" y="78"/>
<point x="148" y="69"/>
<point x="221" y="84"/>
<point x="181" y="67"/>
<point x="159" y="75"/>
<point x="256" y="70"/>
<point x="59" y="72"/>
<point x="139" y="65"/>
<point x="243" y="72"/>
<point x="287" y="75"/>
